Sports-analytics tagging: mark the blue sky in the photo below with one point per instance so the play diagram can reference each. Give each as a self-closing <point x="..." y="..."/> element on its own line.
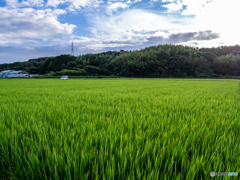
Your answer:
<point x="40" y="28"/>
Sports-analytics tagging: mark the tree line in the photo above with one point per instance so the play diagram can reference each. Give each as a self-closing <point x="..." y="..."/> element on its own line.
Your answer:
<point x="153" y="61"/>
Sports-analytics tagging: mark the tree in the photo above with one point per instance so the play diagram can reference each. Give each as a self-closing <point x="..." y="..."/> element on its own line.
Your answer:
<point x="176" y="65"/>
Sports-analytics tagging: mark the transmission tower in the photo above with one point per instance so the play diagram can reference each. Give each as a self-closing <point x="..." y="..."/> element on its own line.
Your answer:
<point x="72" y="53"/>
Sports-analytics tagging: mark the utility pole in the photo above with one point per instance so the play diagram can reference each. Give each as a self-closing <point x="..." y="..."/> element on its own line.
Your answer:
<point x="72" y="53"/>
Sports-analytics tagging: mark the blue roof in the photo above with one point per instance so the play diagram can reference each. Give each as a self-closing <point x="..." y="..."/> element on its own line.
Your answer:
<point x="6" y="74"/>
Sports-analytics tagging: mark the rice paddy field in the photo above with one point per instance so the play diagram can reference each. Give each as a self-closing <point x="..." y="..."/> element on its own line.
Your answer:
<point x="119" y="129"/>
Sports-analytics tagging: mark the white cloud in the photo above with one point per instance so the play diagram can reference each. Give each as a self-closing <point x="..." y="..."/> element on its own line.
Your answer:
<point x="32" y="3"/>
<point x="135" y="1"/>
<point x="220" y="16"/>
<point x="30" y="27"/>
<point x="174" y="6"/>
<point x="72" y="4"/>
<point x="55" y="3"/>
<point x="168" y="1"/>
<point x="132" y="25"/>
<point x="22" y="25"/>
<point x="16" y="3"/>
<point x="115" y="6"/>
<point x="125" y="1"/>
<point x="194" y="7"/>
<point x="75" y="4"/>
<point x="12" y="3"/>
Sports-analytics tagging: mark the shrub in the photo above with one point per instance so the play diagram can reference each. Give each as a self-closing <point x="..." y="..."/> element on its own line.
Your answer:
<point x="92" y="69"/>
<point x="80" y="72"/>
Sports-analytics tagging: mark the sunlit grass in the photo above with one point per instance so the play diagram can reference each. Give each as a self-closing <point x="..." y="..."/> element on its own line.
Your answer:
<point x="118" y="129"/>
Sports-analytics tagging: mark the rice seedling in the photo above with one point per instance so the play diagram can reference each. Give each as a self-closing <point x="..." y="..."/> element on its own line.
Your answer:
<point x="118" y="129"/>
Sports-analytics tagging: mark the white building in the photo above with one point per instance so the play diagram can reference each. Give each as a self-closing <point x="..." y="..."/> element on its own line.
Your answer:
<point x="18" y="76"/>
<point x="31" y="75"/>
<point x="13" y="73"/>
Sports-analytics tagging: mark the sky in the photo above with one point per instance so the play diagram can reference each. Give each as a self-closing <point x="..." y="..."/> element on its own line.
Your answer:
<point x="41" y="28"/>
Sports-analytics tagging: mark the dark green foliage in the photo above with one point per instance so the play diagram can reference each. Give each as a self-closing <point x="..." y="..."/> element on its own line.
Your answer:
<point x="92" y="70"/>
<point x="209" y="56"/>
<point x="223" y="50"/>
<point x="72" y="64"/>
<point x="136" y="69"/>
<point x="57" y="63"/>
<point x="32" y="66"/>
<point x="155" y="61"/>
<point x="80" y="72"/>
<point x="176" y="66"/>
<point x="104" y="72"/>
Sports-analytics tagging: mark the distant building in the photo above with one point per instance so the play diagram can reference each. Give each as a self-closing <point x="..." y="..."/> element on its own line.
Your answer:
<point x="6" y="71"/>
<point x="23" y="72"/>
<point x="4" y="74"/>
<point x="31" y="75"/>
<point x="13" y="73"/>
<point x="18" y="76"/>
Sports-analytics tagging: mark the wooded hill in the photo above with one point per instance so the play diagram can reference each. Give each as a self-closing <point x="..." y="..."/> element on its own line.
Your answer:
<point x="154" y="61"/>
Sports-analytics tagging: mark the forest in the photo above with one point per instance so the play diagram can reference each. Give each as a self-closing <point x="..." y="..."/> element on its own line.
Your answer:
<point x="154" y="61"/>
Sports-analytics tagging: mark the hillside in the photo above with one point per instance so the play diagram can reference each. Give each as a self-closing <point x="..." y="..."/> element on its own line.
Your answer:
<point x="154" y="61"/>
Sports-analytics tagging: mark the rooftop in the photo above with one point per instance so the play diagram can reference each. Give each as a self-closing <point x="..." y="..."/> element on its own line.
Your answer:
<point x="12" y="72"/>
<point x="15" y="72"/>
<point x="6" y="71"/>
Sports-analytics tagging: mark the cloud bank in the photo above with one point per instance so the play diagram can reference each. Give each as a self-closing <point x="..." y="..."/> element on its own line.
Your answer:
<point x="34" y="28"/>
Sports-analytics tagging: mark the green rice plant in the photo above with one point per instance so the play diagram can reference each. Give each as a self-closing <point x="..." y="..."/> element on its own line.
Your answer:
<point x="119" y="128"/>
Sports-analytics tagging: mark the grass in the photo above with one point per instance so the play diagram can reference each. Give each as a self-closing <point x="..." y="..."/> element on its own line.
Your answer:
<point x="118" y="129"/>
